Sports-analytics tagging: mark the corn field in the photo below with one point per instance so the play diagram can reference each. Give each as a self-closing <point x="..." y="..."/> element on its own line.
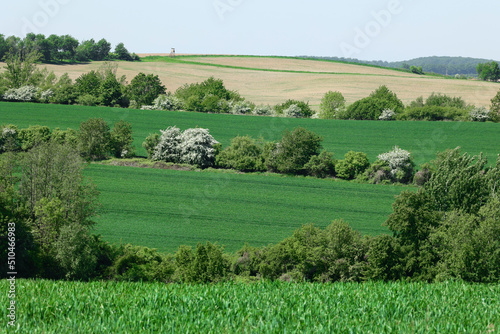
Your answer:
<point x="278" y="307"/>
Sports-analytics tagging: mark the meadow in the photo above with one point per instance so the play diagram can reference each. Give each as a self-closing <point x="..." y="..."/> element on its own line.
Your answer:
<point x="114" y="307"/>
<point x="423" y="139"/>
<point x="164" y="209"/>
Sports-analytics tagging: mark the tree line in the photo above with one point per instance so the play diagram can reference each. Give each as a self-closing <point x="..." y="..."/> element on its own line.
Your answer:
<point x="64" y="48"/>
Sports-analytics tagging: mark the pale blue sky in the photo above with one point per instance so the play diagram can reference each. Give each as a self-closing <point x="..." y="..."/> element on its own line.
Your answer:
<point x="365" y="29"/>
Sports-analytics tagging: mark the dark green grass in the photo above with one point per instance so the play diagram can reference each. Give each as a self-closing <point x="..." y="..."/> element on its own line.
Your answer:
<point x="118" y="307"/>
<point x="423" y="139"/>
<point x="165" y="208"/>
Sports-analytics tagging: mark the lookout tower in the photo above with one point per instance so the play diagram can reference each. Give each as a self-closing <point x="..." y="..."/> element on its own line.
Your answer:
<point x="172" y="52"/>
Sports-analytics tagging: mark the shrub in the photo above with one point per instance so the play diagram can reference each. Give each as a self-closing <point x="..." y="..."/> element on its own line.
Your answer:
<point x="136" y="263"/>
<point x="321" y="165"/>
<point x="144" y="89"/>
<point x="94" y="139"/>
<point x="168" y="149"/>
<point x="9" y="141"/>
<point x="354" y="164"/>
<point x="443" y="100"/>
<point x="22" y="94"/>
<point x="331" y="104"/>
<point x="294" y="150"/>
<point x="167" y="102"/>
<point x="65" y="137"/>
<point x="387" y="115"/>
<point x="433" y="113"/>
<point x="206" y="264"/>
<point x="150" y="144"/>
<point x="306" y="110"/>
<point x="480" y="114"/>
<point x="242" y="108"/>
<point x="193" y="146"/>
<point x="371" y="107"/>
<point x="33" y="136"/>
<point x="196" y="147"/>
<point x="88" y="100"/>
<point x="75" y="252"/>
<point x="243" y="154"/>
<point x="400" y="163"/>
<point x="263" y="110"/>
<point x="293" y="111"/>
<point x="495" y="108"/>
<point x="121" y="140"/>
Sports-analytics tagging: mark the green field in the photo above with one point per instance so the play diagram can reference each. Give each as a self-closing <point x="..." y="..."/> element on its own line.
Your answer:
<point x="111" y="307"/>
<point x="166" y="208"/>
<point x="423" y="139"/>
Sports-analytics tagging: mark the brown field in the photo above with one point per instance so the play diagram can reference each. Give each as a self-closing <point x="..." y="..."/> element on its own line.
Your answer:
<point x="262" y="87"/>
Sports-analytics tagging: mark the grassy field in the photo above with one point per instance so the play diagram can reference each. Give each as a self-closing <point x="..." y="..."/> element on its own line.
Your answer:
<point x="166" y="208"/>
<point x="272" y="80"/>
<point x="423" y="139"/>
<point x="112" y="307"/>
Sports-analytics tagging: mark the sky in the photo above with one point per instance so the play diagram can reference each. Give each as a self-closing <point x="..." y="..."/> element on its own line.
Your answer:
<point x="390" y="30"/>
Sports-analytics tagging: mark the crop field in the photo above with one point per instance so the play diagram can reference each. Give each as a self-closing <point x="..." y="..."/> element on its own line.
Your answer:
<point x="272" y="80"/>
<point x="423" y="139"/>
<point x="166" y="208"/>
<point x="113" y="307"/>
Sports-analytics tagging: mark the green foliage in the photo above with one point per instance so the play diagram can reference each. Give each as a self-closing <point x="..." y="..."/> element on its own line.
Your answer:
<point x="354" y="164"/>
<point x="122" y="53"/>
<point x="495" y="108"/>
<point x="458" y="182"/>
<point x="75" y="251"/>
<point x="206" y="96"/>
<point x="144" y="89"/>
<point x="88" y="100"/>
<point x="321" y="165"/>
<point x="122" y="140"/>
<point x="94" y="139"/>
<point x="205" y="264"/>
<point x="9" y="138"/>
<point x="371" y="107"/>
<point x="88" y="84"/>
<point x="384" y="259"/>
<point x="488" y="71"/>
<point x="20" y="70"/>
<point x="416" y="70"/>
<point x="33" y="136"/>
<point x="244" y="154"/>
<point x="111" y="92"/>
<point x="331" y="104"/>
<point x="306" y="110"/>
<point x="469" y="245"/>
<point x="150" y="144"/>
<point x="64" y="91"/>
<point x="400" y="163"/>
<point x="443" y="100"/>
<point x="136" y="263"/>
<point x="433" y="113"/>
<point x="295" y="149"/>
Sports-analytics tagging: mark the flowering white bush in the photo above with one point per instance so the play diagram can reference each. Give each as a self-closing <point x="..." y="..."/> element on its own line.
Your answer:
<point x="164" y="102"/>
<point x="241" y="108"/>
<point x="8" y="138"/>
<point x="25" y="94"/>
<point x="263" y="110"/>
<point x="400" y="163"/>
<point x="196" y="147"/>
<point x="193" y="146"/>
<point x="480" y="114"/>
<point x="168" y="147"/>
<point x="167" y="102"/>
<point x="44" y="95"/>
<point x="293" y="111"/>
<point x="387" y="115"/>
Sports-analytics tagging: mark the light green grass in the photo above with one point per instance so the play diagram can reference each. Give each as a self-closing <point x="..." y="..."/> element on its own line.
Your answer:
<point x="166" y="208"/>
<point x="423" y="139"/>
<point x="112" y="307"/>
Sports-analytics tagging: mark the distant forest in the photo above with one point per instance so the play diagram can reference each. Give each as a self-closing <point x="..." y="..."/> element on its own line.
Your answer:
<point x="440" y="65"/>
